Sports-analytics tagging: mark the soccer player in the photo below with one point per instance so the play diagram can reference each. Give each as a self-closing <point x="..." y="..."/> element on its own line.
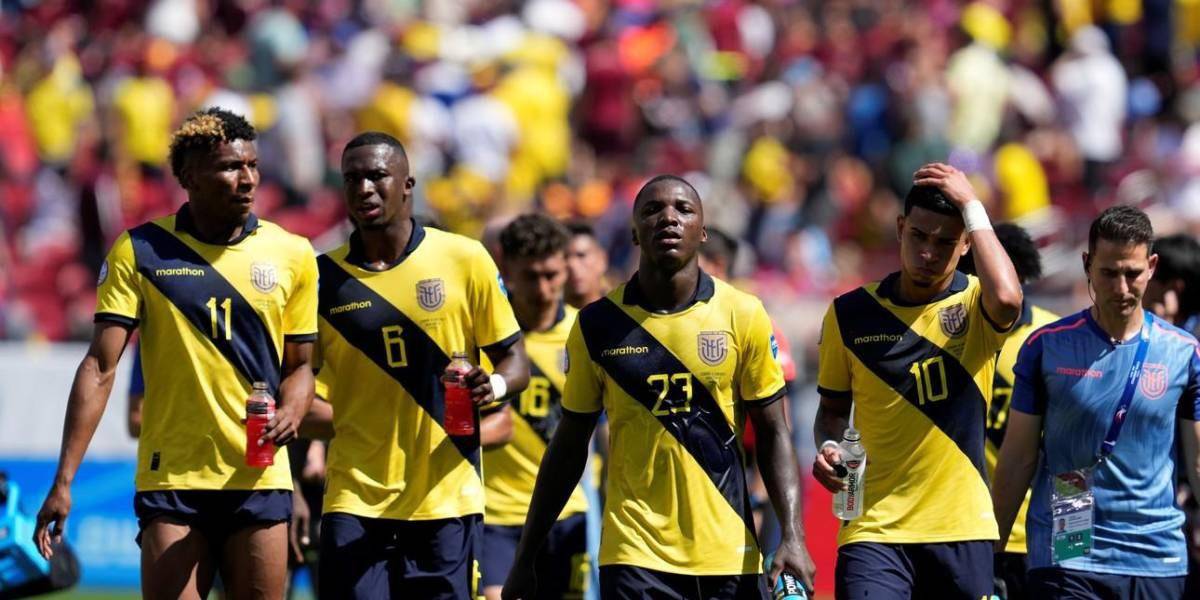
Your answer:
<point x="1010" y="567"/>
<point x="1099" y="399"/>
<point x="534" y="266"/>
<point x="224" y="300"/>
<point x="678" y="360"/>
<point x="914" y="355"/>
<point x="1173" y="293"/>
<point x="404" y="502"/>
<point x="586" y="264"/>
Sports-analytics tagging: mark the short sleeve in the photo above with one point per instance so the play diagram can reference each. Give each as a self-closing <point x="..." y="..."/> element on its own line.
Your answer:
<point x="833" y="369"/>
<point x="1189" y="402"/>
<point x="993" y="335"/>
<point x="759" y="376"/>
<point x="300" y="314"/>
<point x="583" y="391"/>
<point x="118" y="291"/>
<point x="1029" y="387"/>
<point x="494" y="320"/>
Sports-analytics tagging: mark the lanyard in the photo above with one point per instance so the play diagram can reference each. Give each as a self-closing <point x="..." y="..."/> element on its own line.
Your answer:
<point x="1135" y="374"/>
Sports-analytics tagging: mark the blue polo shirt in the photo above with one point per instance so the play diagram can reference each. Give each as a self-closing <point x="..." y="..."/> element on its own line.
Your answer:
<point x="1073" y="375"/>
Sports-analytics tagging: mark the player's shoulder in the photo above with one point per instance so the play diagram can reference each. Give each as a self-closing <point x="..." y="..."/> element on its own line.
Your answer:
<point x="282" y="239"/>
<point x="1059" y="330"/>
<point x="454" y="246"/>
<point x="1164" y="332"/>
<point x="600" y="309"/>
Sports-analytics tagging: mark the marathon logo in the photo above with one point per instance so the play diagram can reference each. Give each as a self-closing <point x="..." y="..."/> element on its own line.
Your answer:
<point x="1084" y="373"/>
<point x="337" y="310"/>
<point x="625" y="350"/>
<point x="875" y="339"/>
<point x="179" y="272"/>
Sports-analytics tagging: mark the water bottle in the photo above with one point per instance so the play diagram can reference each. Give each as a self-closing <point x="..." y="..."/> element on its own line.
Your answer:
<point x="459" y="418"/>
<point x="847" y="504"/>
<point x="260" y="408"/>
<point x="787" y="586"/>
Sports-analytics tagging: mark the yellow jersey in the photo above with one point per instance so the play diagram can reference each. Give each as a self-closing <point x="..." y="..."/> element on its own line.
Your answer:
<point x="510" y="471"/>
<point x="1032" y="319"/>
<point x="214" y="318"/>
<point x="386" y="338"/>
<point x="676" y="387"/>
<point x="920" y="378"/>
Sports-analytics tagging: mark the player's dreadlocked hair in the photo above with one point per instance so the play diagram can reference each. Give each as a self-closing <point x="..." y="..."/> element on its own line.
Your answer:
<point x="533" y="236"/>
<point x="203" y="131"/>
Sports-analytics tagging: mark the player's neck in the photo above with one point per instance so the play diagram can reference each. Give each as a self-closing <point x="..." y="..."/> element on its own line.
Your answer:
<point x="668" y="291"/>
<point x="384" y="246"/>
<point x="911" y="293"/>
<point x="1119" y="327"/>
<point x="215" y="231"/>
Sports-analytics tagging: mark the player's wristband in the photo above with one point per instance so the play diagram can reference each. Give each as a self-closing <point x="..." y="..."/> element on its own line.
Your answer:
<point x="975" y="216"/>
<point x="499" y="386"/>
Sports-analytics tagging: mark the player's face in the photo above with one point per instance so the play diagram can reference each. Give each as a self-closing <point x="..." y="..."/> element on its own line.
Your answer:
<point x="668" y="225"/>
<point x="221" y="185"/>
<point x="377" y="186"/>
<point x="586" y="264"/>
<point x="930" y="245"/>
<point x="1119" y="275"/>
<point x="536" y="281"/>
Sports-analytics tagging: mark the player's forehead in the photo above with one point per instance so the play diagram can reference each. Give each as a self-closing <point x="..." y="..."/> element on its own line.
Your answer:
<point x="1115" y="254"/>
<point x="372" y="157"/>
<point x="233" y="150"/>
<point x="933" y="223"/>
<point x="547" y="264"/>
<point x="665" y="191"/>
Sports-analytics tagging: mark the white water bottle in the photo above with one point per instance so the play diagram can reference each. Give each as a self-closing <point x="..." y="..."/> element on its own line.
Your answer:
<point x="847" y="504"/>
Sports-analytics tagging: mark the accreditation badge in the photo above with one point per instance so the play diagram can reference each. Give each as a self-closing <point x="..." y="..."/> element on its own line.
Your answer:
<point x="1072" y="507"/>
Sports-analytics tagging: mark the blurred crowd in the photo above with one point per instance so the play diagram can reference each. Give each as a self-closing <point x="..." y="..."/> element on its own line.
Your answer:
<point x="800" y="122"/>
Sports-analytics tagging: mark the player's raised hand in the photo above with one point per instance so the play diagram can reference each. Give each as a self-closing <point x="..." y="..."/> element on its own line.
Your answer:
<point x="792" y="556"/>
<point x="480" y="384"/>
<point x="953" y="183"/>
<point x="52" y="520"/>
<point x="521" y="582"/>
<point x="284" y="426"/>
<point x="826" y="468"/>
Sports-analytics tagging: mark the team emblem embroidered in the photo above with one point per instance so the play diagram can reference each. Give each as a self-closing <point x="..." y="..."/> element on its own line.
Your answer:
<point x="1154" y="380"/>
<point x="953" y="320"/>
<point x="263" y="277"/>
<point x="431" y="294"/>
<point x="103" y="273"/>
<point x="564" y="362"/>
<point x="712" y="346"/>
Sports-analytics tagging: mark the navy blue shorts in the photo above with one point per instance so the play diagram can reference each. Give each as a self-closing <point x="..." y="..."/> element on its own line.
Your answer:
<point x="562" y="566"/>
<point x="214" y="513"/>
<point x="903" y="571"/>
<point x="1009" y="573"/>
<point x="1063" y="584"/>
<point x="625" y="582"/>
<point x="364" y="558"/>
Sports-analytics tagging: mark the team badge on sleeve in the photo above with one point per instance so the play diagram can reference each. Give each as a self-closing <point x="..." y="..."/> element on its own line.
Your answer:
<point x="564" y="361"/>
<point x="103" y="273"/>
<point x="1154" y="380"/>
<point x="431" y="294"/>
<point x="775" y="347"/>
<point x="712" y="346"/>
<point x="953" y="320"/>
<point x="263" y="276"/>
<point x="500" y="282"/>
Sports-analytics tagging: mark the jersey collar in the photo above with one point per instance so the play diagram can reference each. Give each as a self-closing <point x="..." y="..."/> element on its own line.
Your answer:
<point x="889" y="288"/>
<point x="356" y="257"/>
<point x="185" y="223"/>
<point x="633" y="293"/>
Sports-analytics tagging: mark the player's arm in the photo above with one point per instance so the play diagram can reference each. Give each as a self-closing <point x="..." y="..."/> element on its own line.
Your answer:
<point x="833" y="417"/>
<point x="781" y="474"/>
<point x="1018" y="458"/>
<point x="318" y="422"/>
<point x="561" y="468"/>
<point x="1001" y="290"/>
<point x="512" y="365"/>
<point x="89" y="396"/>
<point x="1189" y="423"/>
<point x="496" y="427"/>
<point x="295" y="393"/>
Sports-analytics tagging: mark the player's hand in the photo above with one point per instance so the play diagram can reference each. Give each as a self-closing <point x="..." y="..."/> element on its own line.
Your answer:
<point x="521" y="582"/>
<point x="825" y="469"/>
<point x="792" y="556"/>
<point x="283" y="427"/>
<point x="52" y="520"/>
<point x="951" y="181"/>
<point x="298" y="538"/>
<point x="480" y="384"/>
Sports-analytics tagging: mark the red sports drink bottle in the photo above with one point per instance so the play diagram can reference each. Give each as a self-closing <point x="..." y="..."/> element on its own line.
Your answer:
<point x="260" y="408"/>
<point x="459" y="418"/>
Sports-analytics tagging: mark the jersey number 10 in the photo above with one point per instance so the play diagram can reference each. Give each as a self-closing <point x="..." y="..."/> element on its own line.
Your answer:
<point x="922" y="373"/>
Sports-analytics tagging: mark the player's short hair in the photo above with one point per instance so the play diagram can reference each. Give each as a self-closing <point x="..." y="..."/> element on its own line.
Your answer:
<point x="930" y="198"/>
<point x="719" y="245"/>
<point x="375" y="138"/>
<point x="578" y="227"/>
<point x="534" y="236"/>
<point x="203" y="131"/>
<point x="1179" y="258"/>
<point x="1121" y="224"/>
<point x="1021" y="250"/>
<point x="662" y="179"/>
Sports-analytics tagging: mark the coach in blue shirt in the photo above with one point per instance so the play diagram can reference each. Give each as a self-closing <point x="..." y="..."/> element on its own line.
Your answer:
<point x="1111" y="373"/>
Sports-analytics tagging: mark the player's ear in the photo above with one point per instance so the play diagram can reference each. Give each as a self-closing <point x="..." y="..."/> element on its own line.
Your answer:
<point x="633" y="235"/>
<point x="703" y="234"/>
<point x="409" y="184"/>
<point x="899" y="227"/>
<point x="1087" y="265"/>
<point x="1153" y="265"/>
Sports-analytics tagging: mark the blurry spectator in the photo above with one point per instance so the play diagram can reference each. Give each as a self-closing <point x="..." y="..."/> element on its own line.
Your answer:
<point x="1092" y="88"/>
<point x="978" y="79"/>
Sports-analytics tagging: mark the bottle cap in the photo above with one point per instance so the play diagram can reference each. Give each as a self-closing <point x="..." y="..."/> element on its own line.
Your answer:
<point x="260" y="386"/>
<point x="851" y="435"/>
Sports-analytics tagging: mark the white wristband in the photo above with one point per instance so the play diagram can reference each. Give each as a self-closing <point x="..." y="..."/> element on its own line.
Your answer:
<point x="499" y="386"/>
<point x="975" y="216"/>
